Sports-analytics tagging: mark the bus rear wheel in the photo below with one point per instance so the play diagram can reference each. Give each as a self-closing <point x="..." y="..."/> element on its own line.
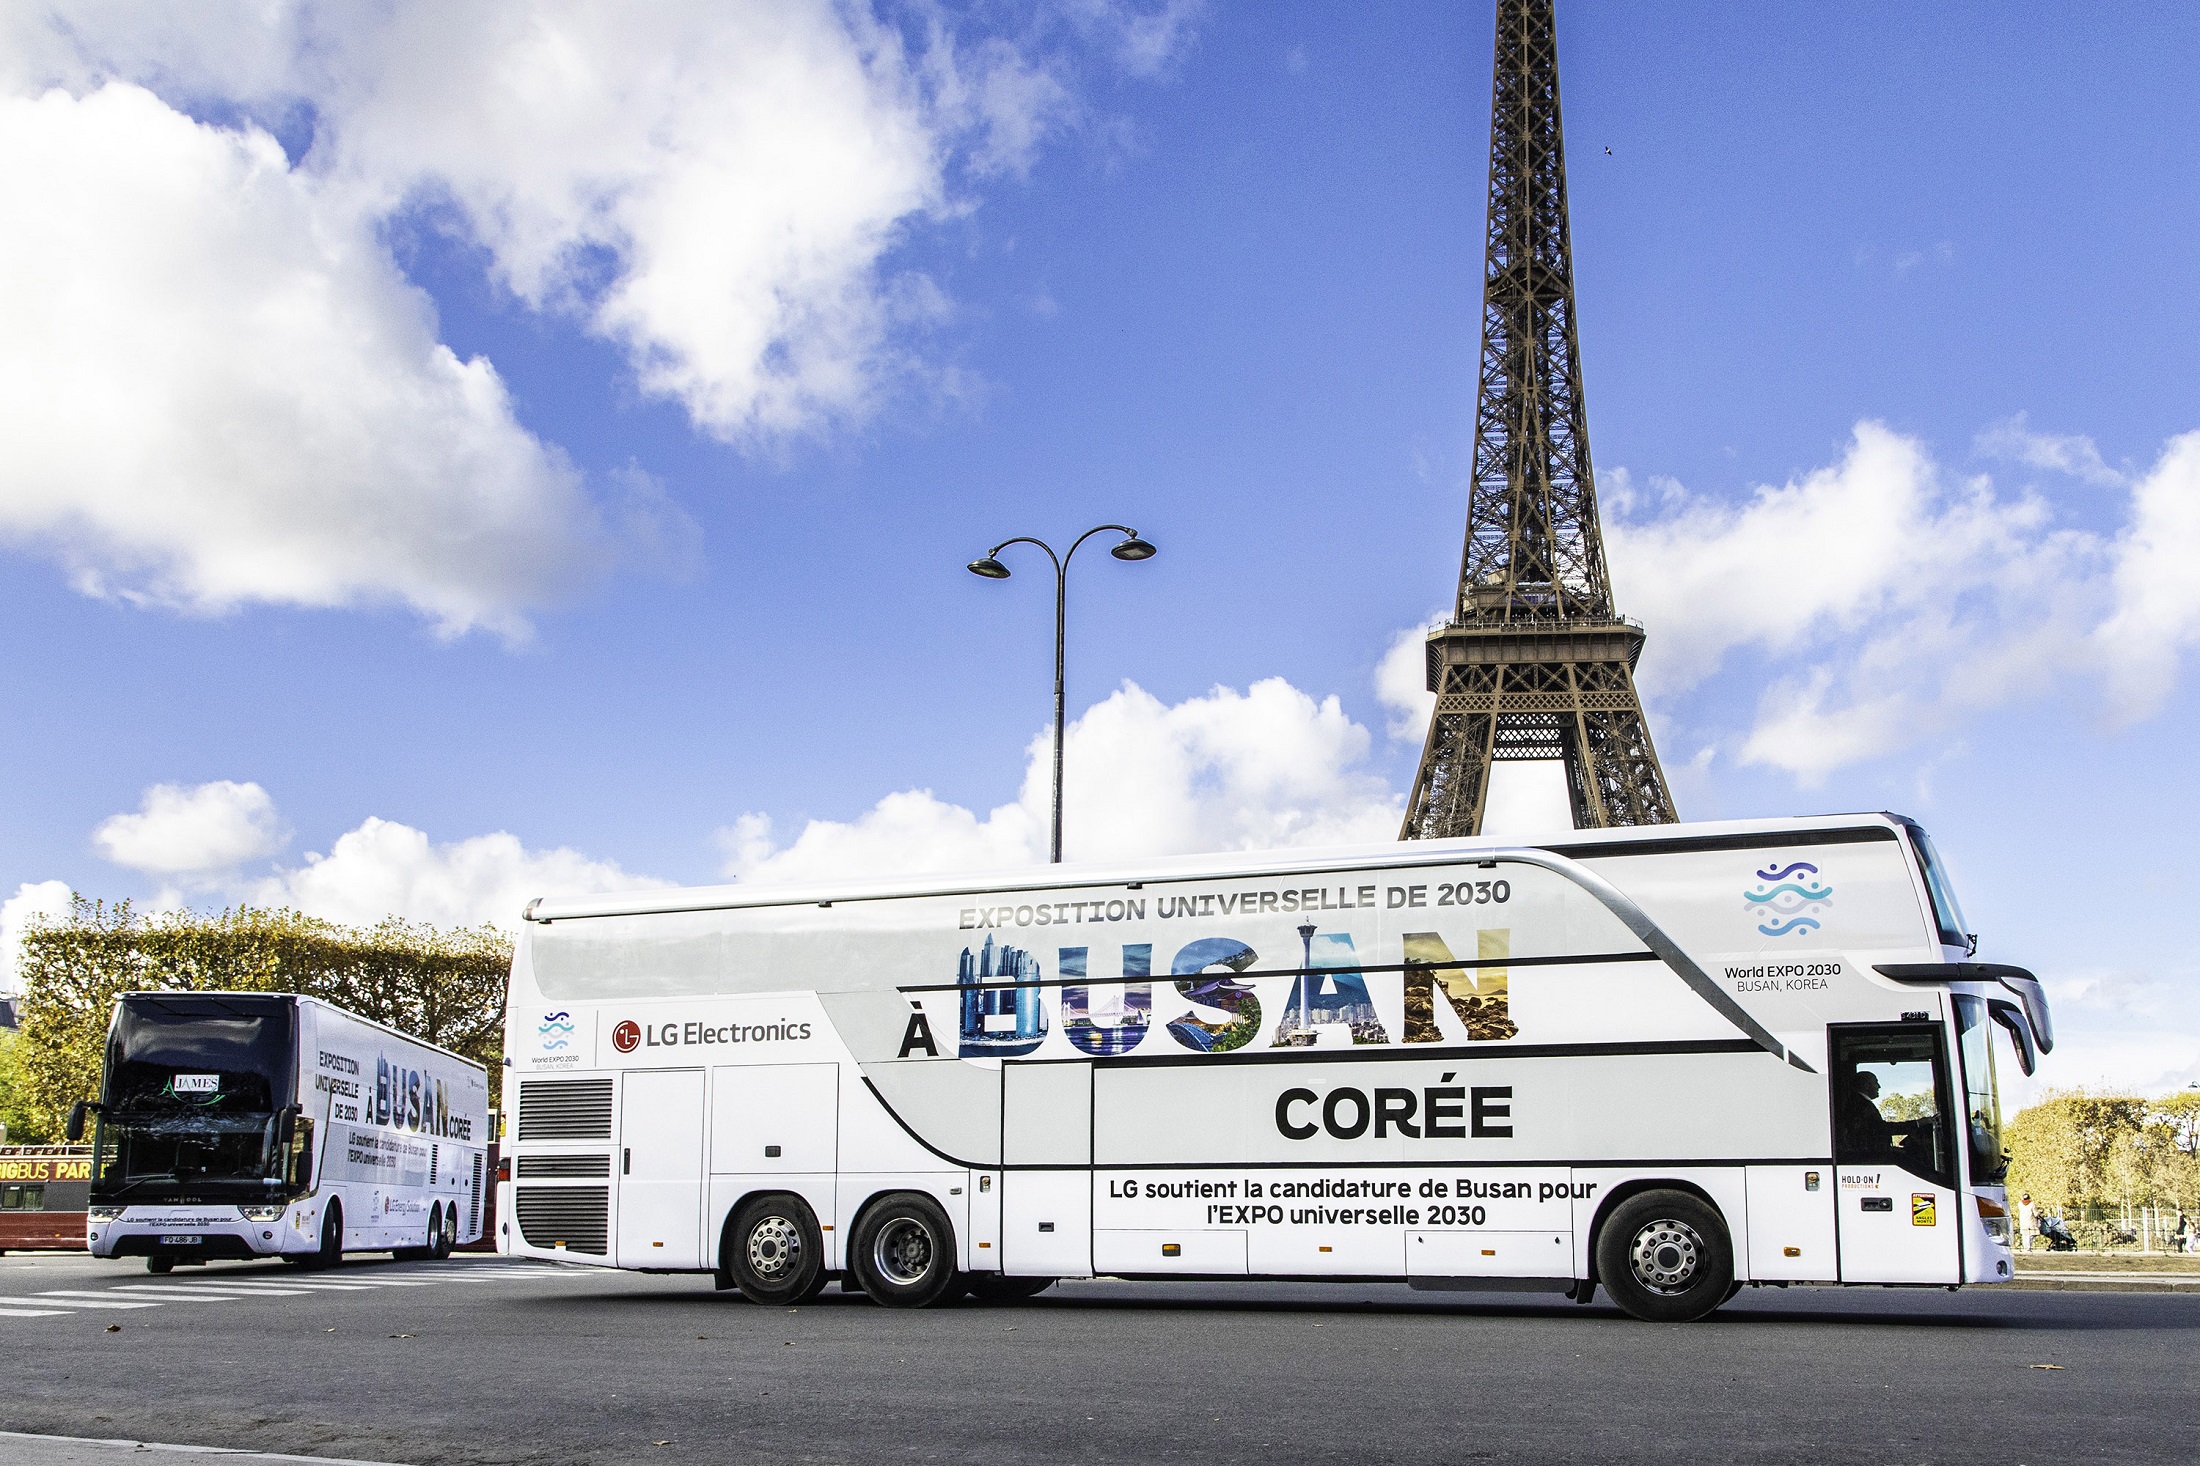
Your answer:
<point x="904" y="1252"/>
<point x="774" y="1250"/>
<point x="434" y="1249"/>
<point x="1664" y="1257"/>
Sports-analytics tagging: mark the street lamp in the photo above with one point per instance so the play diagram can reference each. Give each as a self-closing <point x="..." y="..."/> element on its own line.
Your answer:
<point x="989" y="565"/>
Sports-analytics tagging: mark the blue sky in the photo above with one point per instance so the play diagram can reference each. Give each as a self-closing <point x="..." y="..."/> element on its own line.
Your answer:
<point x="1213" y="271"/>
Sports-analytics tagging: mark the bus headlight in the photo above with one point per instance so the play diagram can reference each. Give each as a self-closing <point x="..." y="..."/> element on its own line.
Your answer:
<point x="103" y="1213"/>
<point x="262" y="1213"/>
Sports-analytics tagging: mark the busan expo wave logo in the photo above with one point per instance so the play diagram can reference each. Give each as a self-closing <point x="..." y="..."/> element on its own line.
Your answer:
<point x="556" y="1031"/>
<point x="1788" y="899"/>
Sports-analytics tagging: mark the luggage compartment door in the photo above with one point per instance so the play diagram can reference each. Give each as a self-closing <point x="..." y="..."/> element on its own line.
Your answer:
<point x="1046" y="1211"/>
<point x="659" y="1168"/>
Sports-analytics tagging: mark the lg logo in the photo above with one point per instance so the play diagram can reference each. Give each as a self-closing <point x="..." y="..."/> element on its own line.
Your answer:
<point x="627" y="1037"/>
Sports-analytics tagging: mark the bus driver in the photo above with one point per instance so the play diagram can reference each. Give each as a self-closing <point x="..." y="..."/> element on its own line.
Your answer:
<point x="1866" y="1134"/>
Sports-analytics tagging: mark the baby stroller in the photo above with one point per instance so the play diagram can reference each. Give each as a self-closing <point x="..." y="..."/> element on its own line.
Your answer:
<point x="2057" y="1235"/>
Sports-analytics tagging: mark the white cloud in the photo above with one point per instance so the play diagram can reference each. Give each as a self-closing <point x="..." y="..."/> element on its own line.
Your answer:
<point x="1401" y="685"/>
<point x="2073" y="454"/>
<point x="2157" y="613"/>
<point x="31" y="900"/>
<point x="219" y="388"/>
<point x="215" y="390"/>
<point x="1905" y="600"/>
<point x="384" y="869"/>
<point x="191" y="833"/>
<point x="1229" y="770"/>
<point x="1145" y="40"/>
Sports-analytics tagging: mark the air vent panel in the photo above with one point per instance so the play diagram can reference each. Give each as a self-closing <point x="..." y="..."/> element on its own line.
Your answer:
<point x="565" y="1109"/>
<point x="572" y="1218"/>
<point x="537" y="1167"/>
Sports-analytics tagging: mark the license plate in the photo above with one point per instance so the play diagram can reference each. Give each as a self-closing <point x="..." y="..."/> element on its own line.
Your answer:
<point x="181" y="1241"/>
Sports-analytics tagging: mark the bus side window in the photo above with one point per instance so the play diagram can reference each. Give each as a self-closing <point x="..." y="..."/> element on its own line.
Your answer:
<point x="1890" y="1089"/>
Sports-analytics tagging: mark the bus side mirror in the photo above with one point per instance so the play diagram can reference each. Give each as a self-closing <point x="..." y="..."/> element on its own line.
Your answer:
<point x="75" y="1128"/>
<point x="286" y="1126"/>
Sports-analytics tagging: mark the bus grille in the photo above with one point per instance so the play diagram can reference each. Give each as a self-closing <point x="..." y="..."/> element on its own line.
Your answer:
<point x="576" y="1218"/>
<point x="534" y="1166"/>
<point x="565" y="1109"/>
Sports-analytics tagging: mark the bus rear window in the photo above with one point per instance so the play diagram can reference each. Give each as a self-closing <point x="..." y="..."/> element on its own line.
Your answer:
<point x="1947" y="913"/>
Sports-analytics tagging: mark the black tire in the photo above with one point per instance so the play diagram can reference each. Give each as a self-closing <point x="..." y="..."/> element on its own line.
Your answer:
<point x="425" y="1252"/>
<point x="157" y="1264"/>
<point x="994" y="1288"/>
<point x="332" y="1236"/>
<point x="903" y="1252"/>
<point x="773" y="1250"/>
<point x="1664" y="1257"/>
<point x="446" y="1236"/>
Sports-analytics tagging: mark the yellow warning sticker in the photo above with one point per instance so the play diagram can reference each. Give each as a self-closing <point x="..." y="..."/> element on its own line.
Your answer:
<point x="1922" y="1213"/>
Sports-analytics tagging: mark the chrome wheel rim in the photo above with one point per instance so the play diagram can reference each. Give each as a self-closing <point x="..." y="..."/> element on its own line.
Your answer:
<point x="903" y="1251"/>
<point x="775" y="1248"/>
<point x="1666" y="1255"/>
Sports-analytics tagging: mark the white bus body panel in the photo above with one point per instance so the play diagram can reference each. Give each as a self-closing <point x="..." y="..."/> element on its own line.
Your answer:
<point x="1104" y="1071"/>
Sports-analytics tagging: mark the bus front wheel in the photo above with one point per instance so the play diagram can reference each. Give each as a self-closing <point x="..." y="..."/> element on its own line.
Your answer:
<point x="774" y="1250"/>
<point x="158" y="1264"/>
<point x="1664" y="1257"/>
<point x="904" y="1252"/>
<point x="332" y="1237"/>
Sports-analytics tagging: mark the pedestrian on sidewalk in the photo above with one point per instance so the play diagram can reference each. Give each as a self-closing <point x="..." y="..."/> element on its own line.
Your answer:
<point x="2027" y="1222"/>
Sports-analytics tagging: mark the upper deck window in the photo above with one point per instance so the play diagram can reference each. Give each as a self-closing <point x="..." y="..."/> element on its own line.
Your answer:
<point x="1947" y="912"/>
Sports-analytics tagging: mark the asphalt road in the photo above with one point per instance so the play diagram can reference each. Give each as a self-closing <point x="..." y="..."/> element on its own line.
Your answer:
<point x="488" y="1361"/>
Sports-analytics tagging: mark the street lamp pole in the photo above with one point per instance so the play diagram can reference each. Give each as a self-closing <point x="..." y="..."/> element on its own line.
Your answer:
<point x="990" y="566"/>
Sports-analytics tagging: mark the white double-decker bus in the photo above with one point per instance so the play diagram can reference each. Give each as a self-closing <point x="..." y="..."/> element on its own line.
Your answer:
<point x="244" y="1125"/>
<point x="1669" y="1061"/>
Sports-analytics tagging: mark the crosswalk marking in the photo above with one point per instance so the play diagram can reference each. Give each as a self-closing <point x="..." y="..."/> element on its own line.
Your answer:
<point x="236" y="1288"/>
<point x="268" y="1290"/>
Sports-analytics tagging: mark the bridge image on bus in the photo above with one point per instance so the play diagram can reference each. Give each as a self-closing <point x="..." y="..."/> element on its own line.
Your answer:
<point x="246" y="1125"/>
<point x="1670" y="1062"/>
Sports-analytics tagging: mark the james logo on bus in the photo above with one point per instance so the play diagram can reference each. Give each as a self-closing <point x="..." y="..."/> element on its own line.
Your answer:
<point x="627" y="1037"/>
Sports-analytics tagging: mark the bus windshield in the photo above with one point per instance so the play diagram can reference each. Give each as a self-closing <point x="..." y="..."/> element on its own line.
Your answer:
<point x="194" y="1086"/>
<point x="1981" y="1096"/>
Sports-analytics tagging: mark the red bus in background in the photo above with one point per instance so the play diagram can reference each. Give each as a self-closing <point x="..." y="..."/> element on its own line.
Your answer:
<point x="43" y="1192"/>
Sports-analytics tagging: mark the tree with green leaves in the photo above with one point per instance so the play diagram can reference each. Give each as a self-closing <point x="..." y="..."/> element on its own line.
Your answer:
<point x="23" y="1126"/>
<point x="442" y="986"/>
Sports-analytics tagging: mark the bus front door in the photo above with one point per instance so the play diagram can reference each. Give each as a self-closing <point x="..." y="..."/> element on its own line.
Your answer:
<point x="1894" y="1160"/>
<point x="661" y="1168"/>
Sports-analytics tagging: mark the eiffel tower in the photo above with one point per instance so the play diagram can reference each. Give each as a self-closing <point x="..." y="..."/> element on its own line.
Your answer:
<point x="1535" y="662"/>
